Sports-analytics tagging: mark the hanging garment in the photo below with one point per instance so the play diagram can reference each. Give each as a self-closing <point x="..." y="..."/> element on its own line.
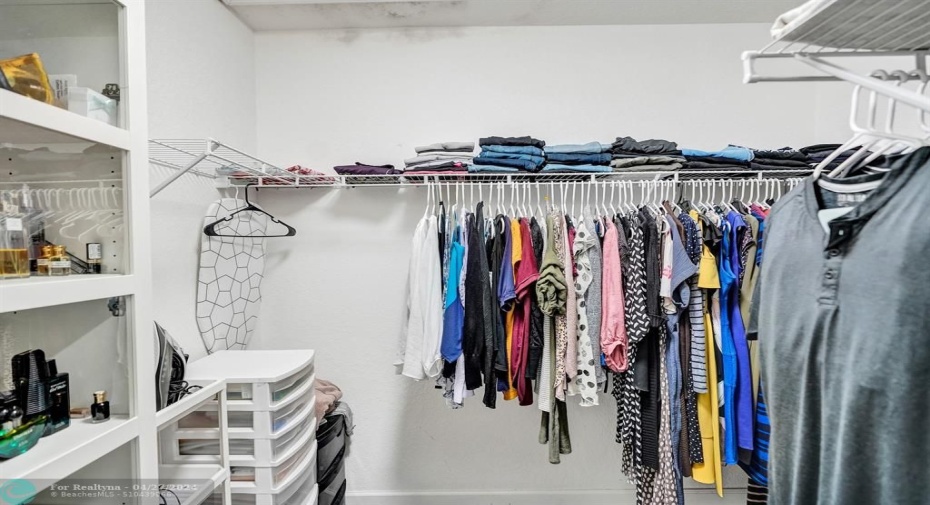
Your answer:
<point x="571" y="304"/>
<point x="536" y="315"/>
<point x="560" y="242"/>
<point x="454" y="309"/>
<point x="475" y="311"/>
<point x="526" y="273"/>
<point x="743" y="394"/>
<point x="594" y="304"/>
<point x="421" y="338"/>
<point x="586" y="380"/>
<point x="842" y="321"/>
<point x="613" y="332"/>
<point x="512" y="253"/>
<point x="666" y="484"/>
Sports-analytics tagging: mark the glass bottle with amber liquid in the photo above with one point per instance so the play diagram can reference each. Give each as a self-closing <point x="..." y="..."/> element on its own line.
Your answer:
<point x="14" y="254"/>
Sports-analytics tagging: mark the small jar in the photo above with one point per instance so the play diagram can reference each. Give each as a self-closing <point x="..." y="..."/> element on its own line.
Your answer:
<point x="43" y="262"/>
<point x="60" y="263"/>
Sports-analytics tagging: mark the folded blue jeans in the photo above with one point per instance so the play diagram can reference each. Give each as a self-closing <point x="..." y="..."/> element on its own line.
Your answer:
<point x="579" y="159"/>
<point x="534" y="151"/>
<point x="519" y="164"/>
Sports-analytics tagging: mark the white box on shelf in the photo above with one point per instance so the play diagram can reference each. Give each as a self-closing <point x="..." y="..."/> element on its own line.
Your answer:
<point x="61" y="83"/>
<point x="89" y="103"/>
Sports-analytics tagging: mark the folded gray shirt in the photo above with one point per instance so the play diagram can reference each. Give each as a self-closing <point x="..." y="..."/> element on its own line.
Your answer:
<point x="447" y="146"/>
<point x="463" y="157"/>
<point x="646" y="160"/>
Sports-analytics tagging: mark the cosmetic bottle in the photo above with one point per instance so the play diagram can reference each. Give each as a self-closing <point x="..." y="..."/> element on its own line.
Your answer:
<point x="35" y="225"/>
<point x="16" y="417"/>
<point x="60" y="263"/>
<point x="6" y="424"/>
<point x="30" y="375"/>
<point x="59" y="392"/>
<point x="95" y="257"/>
<point x="100" y="409"/>
<point x="42" y="263"/>
<point x="14" y="255"/>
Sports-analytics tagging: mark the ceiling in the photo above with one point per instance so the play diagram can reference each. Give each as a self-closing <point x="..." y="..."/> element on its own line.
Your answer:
<point x="263" y="15"/>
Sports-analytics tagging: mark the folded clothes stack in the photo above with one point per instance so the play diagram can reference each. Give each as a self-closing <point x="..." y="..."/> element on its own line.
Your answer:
<point x="364" y="169"/>
<point x="508" y="155"/>
<point x="443" y="157"/>
<point x="653" y="155"/>
<point x="729" y="158"/>
<point x="785" y="158"/>
<point x="819" y="152"/>
<point x="592" y="157"/>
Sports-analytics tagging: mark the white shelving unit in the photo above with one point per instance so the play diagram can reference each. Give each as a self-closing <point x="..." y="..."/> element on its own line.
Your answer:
<point x="70" y="450"/>
<point x="39" y="292"/>
<point x="27" y="121"/>
<point x="32" y="124"/>
<point x="194" y="483"/>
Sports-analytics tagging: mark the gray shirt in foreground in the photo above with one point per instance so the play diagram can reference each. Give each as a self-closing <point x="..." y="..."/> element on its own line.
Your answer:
<point x="844" y="325"/>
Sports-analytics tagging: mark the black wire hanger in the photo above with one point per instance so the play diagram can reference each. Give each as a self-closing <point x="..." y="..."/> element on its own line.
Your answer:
<point x="210" y="229"/>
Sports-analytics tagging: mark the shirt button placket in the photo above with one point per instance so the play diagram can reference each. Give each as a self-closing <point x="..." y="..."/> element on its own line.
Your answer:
<point x="831" y="277"/>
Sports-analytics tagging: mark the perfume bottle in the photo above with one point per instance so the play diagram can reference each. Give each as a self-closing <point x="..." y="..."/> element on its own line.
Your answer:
<point x="60" y="263"/>
<point x="45" y="257"/>
<point x="14" y="254"/>
<point x="58" y="389"/>
<point x="100" y="409"/>
<point x="35" y="225"/>
<point x="95" y="257"/>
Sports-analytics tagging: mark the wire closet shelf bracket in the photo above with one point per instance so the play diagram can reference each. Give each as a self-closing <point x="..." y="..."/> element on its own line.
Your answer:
<point x="833" y="30"/>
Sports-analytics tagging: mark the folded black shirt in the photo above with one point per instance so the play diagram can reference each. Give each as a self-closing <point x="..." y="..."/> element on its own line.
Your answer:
<point x="512" y="141"/>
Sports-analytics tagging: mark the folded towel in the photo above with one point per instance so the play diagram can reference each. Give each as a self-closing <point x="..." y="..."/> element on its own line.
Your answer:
<point x="579" y="159"/>
<point x="589" y="148"/>
<point x="447" y="146"/>
<point x="512" y="141"/>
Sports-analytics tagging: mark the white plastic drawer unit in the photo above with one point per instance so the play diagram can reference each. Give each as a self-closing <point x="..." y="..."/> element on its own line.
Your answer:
<point x="257" y="380"/>
<point x="265" y="479"/>
<point x="250" y="451"/>
<point x="287" y="478"/>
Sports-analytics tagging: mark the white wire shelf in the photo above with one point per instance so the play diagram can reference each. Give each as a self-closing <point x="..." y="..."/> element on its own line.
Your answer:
<point x="206" y="158"/>
<point x="350" y="181"/>
<point x="827" y="29"/>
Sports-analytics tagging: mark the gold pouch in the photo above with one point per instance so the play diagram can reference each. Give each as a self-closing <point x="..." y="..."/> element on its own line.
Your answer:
<point x="26" y="76"/>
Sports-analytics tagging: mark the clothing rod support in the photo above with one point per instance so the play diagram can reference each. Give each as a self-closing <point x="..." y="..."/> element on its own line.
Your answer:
<point x="173" y="177"/>
<point x="900" y="94"/>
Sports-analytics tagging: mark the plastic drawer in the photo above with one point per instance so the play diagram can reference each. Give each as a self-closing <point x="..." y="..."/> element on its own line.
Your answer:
<point x="304" y="486"/>
<point x="201" y="445"/>
<point x="254" y="480"/>
<point x="267" y="395"/>
<point x="250" y="451"/>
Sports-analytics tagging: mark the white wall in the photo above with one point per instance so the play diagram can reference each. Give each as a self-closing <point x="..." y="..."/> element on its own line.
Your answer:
<point x="201" y="84"/>
<point x="336" y="97"/>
